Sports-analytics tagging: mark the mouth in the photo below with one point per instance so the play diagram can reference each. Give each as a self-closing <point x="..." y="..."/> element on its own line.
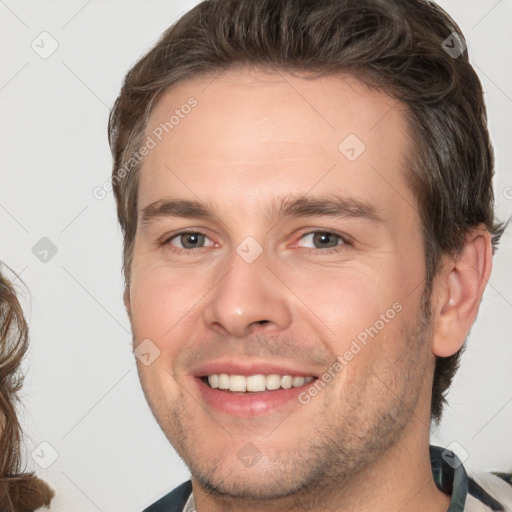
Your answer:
<point x="249" y="389"/>
<point x="258" y="383"/>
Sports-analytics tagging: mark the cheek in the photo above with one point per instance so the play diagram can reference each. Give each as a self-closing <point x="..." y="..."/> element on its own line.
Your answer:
<point x="164" y="303"/>
<point x="346" y="301"/>
<point x="363" y="320"/>
<point x="162" y="312"/>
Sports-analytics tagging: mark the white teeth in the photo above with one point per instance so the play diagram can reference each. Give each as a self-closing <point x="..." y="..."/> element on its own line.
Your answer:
<point x="237" y="383"/>
<point x="223" y="381"/>
<point x="273" y="381"/>
<point x="298" y="381"/>
<point x="255" y="383"/>
<point x="286" y="381"/>
<point x="213" y="380"/>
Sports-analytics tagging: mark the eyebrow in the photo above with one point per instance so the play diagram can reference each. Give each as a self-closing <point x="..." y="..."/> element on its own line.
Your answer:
<point x="331" y="206"/>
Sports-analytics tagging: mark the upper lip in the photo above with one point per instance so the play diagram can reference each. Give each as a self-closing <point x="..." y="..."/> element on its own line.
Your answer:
<point x="250" y="367"/>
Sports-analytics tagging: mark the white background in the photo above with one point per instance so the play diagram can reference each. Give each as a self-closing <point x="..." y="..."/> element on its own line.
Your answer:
<point x="82" y="394"/>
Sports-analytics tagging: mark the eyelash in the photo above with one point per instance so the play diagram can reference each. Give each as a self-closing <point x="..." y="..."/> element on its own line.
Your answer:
<point x="345" y="241"/>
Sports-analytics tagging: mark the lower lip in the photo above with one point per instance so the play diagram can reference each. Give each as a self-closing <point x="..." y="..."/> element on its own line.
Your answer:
<point x="249" y="404"/>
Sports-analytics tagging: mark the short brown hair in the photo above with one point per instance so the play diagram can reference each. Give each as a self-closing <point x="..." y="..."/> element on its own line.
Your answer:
<point x="18" y="491"/>
<point x="397" y="46"/>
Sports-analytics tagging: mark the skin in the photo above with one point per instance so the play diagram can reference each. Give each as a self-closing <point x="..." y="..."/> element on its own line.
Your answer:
<point x="253" y="139"/>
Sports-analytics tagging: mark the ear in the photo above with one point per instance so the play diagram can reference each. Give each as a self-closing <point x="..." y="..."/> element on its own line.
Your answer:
<point x="127" y="301"/>
<point x="458" y="290"/>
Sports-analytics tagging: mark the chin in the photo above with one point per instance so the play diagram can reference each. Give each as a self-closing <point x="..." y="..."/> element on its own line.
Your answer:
<point x="265" y="481"/>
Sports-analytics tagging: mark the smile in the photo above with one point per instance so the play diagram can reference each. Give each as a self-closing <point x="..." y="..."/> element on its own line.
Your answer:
<point x="254" y="383"/>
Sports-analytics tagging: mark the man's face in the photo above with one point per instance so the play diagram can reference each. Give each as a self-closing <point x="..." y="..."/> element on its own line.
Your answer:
<point x="309" y="261"/>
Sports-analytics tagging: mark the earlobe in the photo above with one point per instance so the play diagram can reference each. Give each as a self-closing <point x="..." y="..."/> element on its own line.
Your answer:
<point x="458" y="290"/>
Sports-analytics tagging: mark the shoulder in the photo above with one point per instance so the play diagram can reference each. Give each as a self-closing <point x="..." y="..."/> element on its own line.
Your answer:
<point x="174" y="501"/>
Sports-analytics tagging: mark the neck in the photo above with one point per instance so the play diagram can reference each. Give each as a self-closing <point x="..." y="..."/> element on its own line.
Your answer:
<point x="401" y="479"/>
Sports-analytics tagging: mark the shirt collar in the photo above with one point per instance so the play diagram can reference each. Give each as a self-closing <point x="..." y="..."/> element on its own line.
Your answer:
<point x="190" y="506"/>
<point x="449" y="476"/>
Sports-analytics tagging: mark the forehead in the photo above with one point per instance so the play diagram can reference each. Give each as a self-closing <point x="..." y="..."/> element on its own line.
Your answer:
<point x="251" y="129"/>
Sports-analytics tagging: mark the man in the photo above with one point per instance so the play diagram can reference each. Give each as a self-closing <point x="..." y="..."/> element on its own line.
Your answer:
<point x="305" y="194"/>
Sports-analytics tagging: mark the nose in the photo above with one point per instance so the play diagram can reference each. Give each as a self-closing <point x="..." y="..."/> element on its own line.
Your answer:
<point x="248" y="297"/>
